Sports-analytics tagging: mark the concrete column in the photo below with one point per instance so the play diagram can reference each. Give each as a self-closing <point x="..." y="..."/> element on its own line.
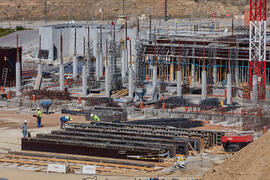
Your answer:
<point x="97" y="67"/>
<point x="154" y="82"/>
<point x="101" y="52"/>
<point x="237" y="75"/>
<point x="172" y="72"/>
<point x="75" y="68"/>
<point x="215" y="75"/>
<point x="193" y="73"/>
<point x="179" y="84"/>
<point x="254" y="94"/>
<point x="124" y="62"/>
<point x="130" y="82"/>
<point x="204" y="85"/>
<point x="101" y="64"/>
<point x="84" y="80"/>
<point x="61" y="77"/>
<point x="39" y="69"/>
<point x="18" y="79"/>
<point x="229" y="88"/>
<point x="107" y="81"/>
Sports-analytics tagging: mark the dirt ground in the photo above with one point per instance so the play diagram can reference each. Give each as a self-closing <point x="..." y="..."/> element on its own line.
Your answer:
<point x="250" y="163"/>
<point x="11" y="122"/>
<point x="10" y="132"/>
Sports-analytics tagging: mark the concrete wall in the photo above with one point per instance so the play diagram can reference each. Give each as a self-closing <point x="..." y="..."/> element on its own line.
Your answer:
<point x="51" y="38"/>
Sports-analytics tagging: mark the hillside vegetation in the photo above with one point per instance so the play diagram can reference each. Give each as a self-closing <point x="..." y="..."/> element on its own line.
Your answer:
<point x="84" y="9"/>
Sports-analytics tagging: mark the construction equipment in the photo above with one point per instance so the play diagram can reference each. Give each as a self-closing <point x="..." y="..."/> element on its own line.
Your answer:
<point x="235" y="143"/>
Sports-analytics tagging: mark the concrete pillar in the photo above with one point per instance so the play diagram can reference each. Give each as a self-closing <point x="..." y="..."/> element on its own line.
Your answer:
<point x="237" y="75"/>
<point x="84" y="80"/>
<point x="107" y="81"/>
<point x="97" y="67"/>
<point x="172" y="72"/>
<point x="39" y="69"/>
<point x="101" y="52"/>
<point x="215" y="75"/>
<point x="61" y="77"/>
<point x="229" y="88"/>
<point x="179" y="84"/>
<point x="130" y="82"/>
<point x="193" y="73"/>
<point x="124" y="62"/>
<point x="204" y="85"/>
<point x="101" y="65"/>
<point x="154" y="82"/>
<point x="18" y="79"/>
<point x="254" y="94"/>
<point x="75" y="68"/>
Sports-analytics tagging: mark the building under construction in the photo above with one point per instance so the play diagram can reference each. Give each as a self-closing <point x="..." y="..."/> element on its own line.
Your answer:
<point x="153" y="85"/>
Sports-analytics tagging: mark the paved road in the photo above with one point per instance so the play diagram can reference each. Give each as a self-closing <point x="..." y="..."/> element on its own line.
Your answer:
<point x="28" y="39"/>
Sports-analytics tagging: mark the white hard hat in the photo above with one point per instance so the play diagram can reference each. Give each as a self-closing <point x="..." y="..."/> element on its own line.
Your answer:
<point x="25" y="121"/>
<point x="70" y="119"/>
<point x="92" y="115"/>
<point x="37" y="108"/>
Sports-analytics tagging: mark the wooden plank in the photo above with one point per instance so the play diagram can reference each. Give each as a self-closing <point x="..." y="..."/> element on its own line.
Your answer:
<point x="37" y="82"/>
<point x="45" y="164"/>
<point x="90" y="158"/>
<point x="77" y="162"/>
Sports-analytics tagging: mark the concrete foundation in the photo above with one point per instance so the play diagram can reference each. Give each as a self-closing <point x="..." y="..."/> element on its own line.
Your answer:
<point x="107" y="81"/>
<point x="204" y="85"/>
<point x="18" y="79"/>
<point x="84" y="80"/>
<point x="179" y="84"/>
<point x="229" y="88"/>
<point x="130" y="82"/>
<point x="61" y="77"/>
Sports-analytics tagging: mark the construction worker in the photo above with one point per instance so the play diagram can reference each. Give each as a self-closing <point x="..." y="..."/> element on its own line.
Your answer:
<point x="64" y="119"/>
<point x="39" y="115"/>
<point x="95" y="118"/>
<point x="24" y="129"/>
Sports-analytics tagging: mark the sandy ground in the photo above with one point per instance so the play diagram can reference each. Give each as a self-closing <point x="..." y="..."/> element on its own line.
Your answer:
<point x="11" y="122"/>
<point x="10" y="132"/>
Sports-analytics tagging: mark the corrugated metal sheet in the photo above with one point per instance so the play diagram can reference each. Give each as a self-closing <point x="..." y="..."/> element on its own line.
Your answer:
<point x="8" y="58"/>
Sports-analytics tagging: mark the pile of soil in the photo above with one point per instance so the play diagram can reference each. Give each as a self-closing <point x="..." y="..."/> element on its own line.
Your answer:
<point x="250" y="163"/>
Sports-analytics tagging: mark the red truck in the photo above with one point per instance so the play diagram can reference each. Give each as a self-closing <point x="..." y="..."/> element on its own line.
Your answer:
<point x="235" y="143"/>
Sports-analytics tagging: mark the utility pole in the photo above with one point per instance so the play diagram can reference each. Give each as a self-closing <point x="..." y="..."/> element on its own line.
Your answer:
<point x="45" y="11"/>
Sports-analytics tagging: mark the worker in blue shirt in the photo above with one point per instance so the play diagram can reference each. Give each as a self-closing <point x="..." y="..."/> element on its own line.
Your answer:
<point x="24" y="129"/>
<point x="64" y="119"/>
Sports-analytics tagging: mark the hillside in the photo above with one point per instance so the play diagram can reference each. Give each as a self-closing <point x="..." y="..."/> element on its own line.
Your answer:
<point x="84" y="9"/>
<point x="251" y="163"/>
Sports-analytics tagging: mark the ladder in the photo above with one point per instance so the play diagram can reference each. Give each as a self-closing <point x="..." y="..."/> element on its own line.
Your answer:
<point x="4" y="77"/>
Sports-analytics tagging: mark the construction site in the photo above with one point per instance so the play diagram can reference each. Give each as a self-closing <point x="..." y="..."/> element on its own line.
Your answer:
<point x="136" y="96"/>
